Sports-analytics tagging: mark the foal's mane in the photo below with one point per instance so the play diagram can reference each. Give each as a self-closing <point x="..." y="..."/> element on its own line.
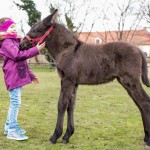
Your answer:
<point x="65" y="32"/>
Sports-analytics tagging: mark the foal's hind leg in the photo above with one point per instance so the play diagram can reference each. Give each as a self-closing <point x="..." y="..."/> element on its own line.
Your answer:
<point x="143" y="119"/>
<point x="66" y="92"/>
<point x="70" y="121"/>
<point x="141" y="99"/>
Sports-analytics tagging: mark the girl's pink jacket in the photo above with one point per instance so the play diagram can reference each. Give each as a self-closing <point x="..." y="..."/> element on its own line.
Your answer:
<point x="15" y="68"/>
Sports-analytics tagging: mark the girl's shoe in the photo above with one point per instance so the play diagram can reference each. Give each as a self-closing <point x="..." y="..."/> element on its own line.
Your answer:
<point x="15" y="135"/>
<point x="22" y="131"/>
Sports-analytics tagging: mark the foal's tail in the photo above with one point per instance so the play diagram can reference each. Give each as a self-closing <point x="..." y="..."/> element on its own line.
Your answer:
<point x="144" y="70"/>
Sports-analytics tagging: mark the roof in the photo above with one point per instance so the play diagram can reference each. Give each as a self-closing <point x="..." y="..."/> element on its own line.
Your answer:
<point x="138" y="37"/>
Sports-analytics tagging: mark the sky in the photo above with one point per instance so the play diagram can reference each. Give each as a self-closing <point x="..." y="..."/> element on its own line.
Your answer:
<point x="9" y="9"/>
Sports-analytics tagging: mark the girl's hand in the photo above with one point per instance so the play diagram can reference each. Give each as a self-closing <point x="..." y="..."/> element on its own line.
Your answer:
<point x="40" y="46"/>
<point x="36" y="80"/>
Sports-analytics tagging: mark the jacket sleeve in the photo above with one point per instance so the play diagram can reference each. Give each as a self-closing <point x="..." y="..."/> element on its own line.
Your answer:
<point x="12" y="51"/>
<point x="32" y="75"/>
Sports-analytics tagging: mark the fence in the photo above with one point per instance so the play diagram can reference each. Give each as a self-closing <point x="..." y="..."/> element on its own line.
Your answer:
<point x="41" y="65"/>
<point x="37" y="65"/>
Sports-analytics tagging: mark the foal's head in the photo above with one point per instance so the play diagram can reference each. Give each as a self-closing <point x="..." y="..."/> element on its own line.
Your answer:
<point x="37" y="32"/>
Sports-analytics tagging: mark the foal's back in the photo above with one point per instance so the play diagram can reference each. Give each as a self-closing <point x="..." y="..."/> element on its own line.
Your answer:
<point x="103" y="63"/>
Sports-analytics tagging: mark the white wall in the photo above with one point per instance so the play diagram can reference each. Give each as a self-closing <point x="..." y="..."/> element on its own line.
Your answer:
<point x="146" y="49"/>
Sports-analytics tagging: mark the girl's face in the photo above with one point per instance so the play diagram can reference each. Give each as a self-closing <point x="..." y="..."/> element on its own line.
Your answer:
<point x="11" y="29"/>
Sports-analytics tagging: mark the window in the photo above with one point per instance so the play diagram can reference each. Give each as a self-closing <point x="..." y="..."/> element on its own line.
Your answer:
<point x="98" y="41"/>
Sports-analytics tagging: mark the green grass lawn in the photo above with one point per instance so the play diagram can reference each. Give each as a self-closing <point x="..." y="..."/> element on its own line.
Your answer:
<point x="105" y="117"/>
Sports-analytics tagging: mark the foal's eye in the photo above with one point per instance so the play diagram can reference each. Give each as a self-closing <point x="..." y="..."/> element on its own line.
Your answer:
<point x="36" y="30"/>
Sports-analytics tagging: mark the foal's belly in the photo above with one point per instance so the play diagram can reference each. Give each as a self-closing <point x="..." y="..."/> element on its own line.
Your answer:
<point x="95" y="79"/>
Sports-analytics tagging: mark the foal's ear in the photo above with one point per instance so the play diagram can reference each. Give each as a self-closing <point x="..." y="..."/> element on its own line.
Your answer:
<point x="51" y="18"/>
<point x="54" y="16"/>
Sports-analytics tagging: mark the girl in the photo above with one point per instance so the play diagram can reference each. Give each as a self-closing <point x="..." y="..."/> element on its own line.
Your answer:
<point x="16" y="74"/>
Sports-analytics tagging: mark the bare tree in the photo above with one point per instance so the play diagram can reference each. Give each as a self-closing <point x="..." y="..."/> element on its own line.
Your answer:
<point x="146" y="11"/>
<point x="123" y="15"/>
<point x="70" y="11"/>
<point x="22" y="29"/>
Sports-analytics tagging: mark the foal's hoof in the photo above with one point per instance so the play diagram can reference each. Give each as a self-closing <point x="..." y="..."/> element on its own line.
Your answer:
<point x="147" y="146"/>
<point x="63" y="141"/>
<point x="50" y="142"/>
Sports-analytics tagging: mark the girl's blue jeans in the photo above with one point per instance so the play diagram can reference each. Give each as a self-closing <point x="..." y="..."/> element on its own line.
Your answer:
<point x="15" y="104"/>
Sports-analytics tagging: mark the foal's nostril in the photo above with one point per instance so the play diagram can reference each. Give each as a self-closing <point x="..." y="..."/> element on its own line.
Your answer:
<point x="21" y="46"/>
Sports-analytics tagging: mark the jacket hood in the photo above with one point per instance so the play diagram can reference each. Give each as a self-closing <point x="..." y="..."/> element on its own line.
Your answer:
<point x="4" y="36"/>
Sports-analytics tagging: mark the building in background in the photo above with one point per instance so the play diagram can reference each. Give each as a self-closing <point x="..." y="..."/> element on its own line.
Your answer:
<point x="140" y="38"/>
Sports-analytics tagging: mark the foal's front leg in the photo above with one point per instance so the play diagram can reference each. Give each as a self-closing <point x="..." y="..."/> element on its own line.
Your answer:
<point x="65" y="94"/>
<point x="70" y="112"/>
